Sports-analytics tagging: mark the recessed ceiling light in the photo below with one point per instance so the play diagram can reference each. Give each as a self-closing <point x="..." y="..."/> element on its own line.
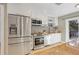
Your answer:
<point x="77" y="5"/>
<point x="58" y="3"/>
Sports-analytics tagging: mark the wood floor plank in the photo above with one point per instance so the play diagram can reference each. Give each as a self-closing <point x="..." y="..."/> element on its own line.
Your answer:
<point x="62" y="49"/>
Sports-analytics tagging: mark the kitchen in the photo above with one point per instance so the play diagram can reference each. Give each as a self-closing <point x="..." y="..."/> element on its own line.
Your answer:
<point x="32" y="27"/>
<point x="43" y="34"/>
<point x="34" y="24"/>
<point x="20" y="28"/>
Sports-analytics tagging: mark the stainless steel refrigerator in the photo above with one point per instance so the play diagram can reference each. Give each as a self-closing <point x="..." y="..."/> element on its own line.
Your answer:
<point x="19" y="39"/>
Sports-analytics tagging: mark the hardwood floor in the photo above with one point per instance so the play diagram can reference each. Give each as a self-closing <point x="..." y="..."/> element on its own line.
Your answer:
<point x="62" y="49"/>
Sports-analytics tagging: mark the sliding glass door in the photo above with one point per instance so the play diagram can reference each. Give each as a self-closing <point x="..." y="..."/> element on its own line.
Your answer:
<point x="72" y="32"/>
<point x="73" y="29"/>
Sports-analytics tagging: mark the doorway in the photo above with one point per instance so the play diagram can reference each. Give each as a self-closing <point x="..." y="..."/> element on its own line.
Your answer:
<point x="72" y="31"/>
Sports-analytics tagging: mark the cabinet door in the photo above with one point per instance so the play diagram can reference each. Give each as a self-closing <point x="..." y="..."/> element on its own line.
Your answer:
<point x="55" y="38"/>
<point x="52" y="38"/>
<point x="59" y="37"/>
<point x="53" y="21"/>
<point x="16" y="49"/>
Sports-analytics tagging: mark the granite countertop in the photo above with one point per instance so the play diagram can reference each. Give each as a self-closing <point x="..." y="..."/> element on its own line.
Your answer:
<point x="43" y="34"/>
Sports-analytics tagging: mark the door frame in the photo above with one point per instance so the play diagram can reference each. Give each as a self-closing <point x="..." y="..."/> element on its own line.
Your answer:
<point x="67" y="27"/>
<point x="2" y="28"/>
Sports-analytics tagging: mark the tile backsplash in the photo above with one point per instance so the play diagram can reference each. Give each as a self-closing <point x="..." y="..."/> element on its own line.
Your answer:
<point x="36" y="29"/>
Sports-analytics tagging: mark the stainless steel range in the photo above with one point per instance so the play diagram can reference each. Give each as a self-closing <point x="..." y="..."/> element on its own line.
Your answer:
<point x="38" y="42"/>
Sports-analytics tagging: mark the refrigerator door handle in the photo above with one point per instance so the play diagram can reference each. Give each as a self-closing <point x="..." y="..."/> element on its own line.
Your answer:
<point x="15" y="43"/>
<point x="20" y="37"/>
<point x="26" y="36"/>
<point x="18" y="43"/>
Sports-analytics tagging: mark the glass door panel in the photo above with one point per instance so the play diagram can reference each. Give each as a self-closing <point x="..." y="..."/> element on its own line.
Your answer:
<point x="73" y="25"/>
<point x="73" y="29"/>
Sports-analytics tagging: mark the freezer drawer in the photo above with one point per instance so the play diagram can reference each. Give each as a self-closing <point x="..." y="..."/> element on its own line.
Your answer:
<point x="19" y="48"/>
<point x="16" y="49"/>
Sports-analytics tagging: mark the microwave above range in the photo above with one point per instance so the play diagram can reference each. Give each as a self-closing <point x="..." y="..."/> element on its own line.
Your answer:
<point x="36" y="22"/>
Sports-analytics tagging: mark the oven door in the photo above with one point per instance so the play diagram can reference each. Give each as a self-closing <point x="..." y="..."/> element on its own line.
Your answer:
<point x="13" y="26"/>
<point x="39" y="41"/>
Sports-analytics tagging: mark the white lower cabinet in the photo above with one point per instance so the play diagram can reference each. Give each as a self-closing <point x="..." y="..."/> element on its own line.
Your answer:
<point x="52" y="38"/>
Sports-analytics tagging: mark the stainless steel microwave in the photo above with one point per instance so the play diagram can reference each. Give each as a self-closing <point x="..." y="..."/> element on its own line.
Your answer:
<point x="34" y="21"/>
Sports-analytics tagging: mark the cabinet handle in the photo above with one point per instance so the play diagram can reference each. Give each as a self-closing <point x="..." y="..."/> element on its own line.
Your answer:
<point x="18" y="43"/>
<point x="15" y="43"/>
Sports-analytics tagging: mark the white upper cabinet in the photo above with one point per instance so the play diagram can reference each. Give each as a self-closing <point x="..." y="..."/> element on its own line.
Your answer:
<point x="56" y="21"/>
<point x="47" y="20"/>
<point x="53" y="21"/>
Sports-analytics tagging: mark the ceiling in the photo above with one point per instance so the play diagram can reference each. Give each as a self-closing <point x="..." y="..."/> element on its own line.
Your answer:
<point x="48" y="9"/>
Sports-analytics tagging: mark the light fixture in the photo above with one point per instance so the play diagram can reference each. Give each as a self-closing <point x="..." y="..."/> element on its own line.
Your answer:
<point x="58" y="3"/>
<point x="77" y="5"/>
